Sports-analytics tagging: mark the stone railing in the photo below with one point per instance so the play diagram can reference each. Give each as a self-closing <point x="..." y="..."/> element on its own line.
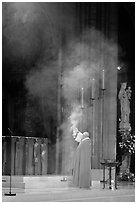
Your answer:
<point x="24" y="155"/>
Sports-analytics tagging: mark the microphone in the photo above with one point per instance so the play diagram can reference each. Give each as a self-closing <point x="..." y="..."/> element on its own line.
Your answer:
<point x="10" y="131"/>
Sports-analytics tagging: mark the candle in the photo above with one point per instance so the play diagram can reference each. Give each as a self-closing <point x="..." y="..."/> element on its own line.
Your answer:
<point x="82" y="93"/>
<point x="93" y="88"/>
<point x="103" y="79"/>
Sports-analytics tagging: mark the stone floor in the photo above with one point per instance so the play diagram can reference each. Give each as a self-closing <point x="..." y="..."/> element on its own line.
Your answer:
<point x="124" y="193"/>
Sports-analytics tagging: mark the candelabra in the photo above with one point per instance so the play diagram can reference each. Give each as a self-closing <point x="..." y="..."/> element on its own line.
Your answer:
<point x="82" y="116"/>
<point x="92" y="106"/>
<point x="102" y="118"/>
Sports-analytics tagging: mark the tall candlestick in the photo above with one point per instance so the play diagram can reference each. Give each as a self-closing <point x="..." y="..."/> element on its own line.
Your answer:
<point x="103" y="79"/>
<point x="93" y="88"/>
<point x="82" y="93"/>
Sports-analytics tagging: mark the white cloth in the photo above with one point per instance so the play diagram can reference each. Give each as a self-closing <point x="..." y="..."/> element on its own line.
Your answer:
<point x="79" y="137"/>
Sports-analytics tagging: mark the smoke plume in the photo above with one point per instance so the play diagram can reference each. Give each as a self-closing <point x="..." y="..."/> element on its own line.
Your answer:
<point x="86" y="58"/>
<point x="33" y="32"/>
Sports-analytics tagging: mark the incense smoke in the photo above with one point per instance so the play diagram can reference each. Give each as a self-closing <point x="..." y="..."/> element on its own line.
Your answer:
<point x="85" y="61"/>
<point x="32" y="33"/>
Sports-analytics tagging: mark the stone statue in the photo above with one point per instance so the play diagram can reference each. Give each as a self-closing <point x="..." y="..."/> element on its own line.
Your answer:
<point x="124" y="97"/>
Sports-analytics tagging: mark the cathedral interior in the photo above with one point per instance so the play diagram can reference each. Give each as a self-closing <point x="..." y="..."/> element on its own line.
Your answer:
<point x="59" y="60"/>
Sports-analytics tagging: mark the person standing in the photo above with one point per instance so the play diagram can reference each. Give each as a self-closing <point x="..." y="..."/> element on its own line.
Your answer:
<point x="82" y="163"/>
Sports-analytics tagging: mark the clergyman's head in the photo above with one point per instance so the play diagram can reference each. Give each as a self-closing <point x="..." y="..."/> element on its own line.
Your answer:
<point x="85" y="134"/>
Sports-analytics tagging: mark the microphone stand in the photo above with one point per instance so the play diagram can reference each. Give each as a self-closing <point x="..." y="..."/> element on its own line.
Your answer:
<point x="10" y="193"/>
